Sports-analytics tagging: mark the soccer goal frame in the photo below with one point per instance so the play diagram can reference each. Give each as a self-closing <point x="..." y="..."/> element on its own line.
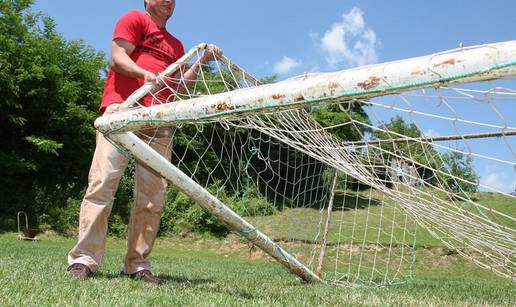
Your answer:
<point x="463" y="65"/>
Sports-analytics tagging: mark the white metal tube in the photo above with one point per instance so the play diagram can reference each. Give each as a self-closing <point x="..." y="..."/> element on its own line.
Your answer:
<point x="464" y="65"/>
<point x="150" y="88"/>
<point x="173" y="68"/>
<point x="143" y="153"/>
<point x="324" y="242"/>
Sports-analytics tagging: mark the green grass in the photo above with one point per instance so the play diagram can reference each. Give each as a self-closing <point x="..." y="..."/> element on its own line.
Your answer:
<point x="370" y="238"/>
<point x="209" y="272"/>
<point x="364" y="223"/>
<point x="203" y="271"/>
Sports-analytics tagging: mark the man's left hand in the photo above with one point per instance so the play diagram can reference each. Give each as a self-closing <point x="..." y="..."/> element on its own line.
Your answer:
<point x="211" y="53"/>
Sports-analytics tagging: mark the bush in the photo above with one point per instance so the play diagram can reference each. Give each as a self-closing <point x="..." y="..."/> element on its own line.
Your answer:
<point x="251" y="204"/>
<point x="66" y="219"/>
<point x="117" y="227"/>
<point x="45" y="222"/>
<point x="7" y="224"/>
<point x="181" y="213"/>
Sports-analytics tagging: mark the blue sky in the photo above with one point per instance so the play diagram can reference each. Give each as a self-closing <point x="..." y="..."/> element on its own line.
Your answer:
<point x="258" y="34"/>
<point x="291" y="37"/>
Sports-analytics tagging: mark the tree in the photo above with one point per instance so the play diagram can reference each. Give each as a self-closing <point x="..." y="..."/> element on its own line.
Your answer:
<point x="422" y="156"/>
<point x="50" y="90"/>
<point x="334" y="116"/>
<point x="459" y="165"/>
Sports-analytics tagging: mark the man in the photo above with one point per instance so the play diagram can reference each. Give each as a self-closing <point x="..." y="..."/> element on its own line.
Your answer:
<point x="141" y="48"/>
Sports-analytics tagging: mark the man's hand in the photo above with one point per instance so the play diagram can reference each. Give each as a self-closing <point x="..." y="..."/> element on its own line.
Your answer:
<point x="211" y="53"/>
<point x="190" y="76"/>
<point x="121" y="62"/>
<point x="149" y="77"/>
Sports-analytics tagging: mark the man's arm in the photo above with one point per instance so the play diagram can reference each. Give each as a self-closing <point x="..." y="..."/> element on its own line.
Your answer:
<point x="190" y="76"/>
<point x="121" y="49"/>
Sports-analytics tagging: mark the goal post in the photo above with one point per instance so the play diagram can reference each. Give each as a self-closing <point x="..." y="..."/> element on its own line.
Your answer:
<point x="344" y="168"/>
<point x="141" y="152"/>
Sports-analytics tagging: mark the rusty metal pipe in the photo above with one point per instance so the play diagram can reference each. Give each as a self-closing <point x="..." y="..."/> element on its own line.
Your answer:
<point x="457" y="66"/>
<point x="143" y="153"/>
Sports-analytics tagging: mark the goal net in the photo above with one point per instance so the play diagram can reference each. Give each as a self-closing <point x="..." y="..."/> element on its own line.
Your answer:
<point x="345" y="177"/>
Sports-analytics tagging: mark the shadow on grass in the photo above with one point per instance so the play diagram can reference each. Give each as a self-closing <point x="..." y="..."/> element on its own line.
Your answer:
<point x="167" y="279"/>
<point x="350" y="201"/>
<point x="202" y="284"/>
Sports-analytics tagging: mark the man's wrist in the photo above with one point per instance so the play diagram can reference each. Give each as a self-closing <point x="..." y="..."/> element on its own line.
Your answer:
<point x="202" y="60"/>
<point x="197" y="66"/>
<point x="142" y="73"/>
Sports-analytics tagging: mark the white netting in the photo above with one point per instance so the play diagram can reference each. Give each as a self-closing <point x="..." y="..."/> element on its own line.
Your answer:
<point x="381" y="166"/>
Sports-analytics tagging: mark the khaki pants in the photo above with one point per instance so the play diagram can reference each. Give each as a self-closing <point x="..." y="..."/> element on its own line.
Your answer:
<point x="107" y="168"/>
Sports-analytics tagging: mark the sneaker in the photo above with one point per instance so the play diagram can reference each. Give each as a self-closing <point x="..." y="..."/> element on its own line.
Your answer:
<point x="146" y="276"/>
<point x="79" y="270"/>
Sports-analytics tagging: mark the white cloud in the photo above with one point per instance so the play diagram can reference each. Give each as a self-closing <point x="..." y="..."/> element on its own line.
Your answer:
<point x="498" y="181"/>
<point x="314" y="37"/>
<point x="430" y="133"/>
<point x="286" y="65"/>
<point x="349" y="41"/>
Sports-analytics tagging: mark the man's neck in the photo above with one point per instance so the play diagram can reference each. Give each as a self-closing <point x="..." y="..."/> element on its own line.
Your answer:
<point x="158" y="21"/>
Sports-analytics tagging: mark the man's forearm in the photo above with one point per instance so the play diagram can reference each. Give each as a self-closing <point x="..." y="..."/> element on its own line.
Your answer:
<point x="124" y="65"/>
<point x="185" y="78"/>
<point x="190" y="76"/>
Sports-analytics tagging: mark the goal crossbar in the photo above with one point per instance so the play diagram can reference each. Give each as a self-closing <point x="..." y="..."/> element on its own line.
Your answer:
<point x="473" y="64"/>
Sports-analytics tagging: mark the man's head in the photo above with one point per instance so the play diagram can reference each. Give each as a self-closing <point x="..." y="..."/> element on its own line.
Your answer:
<point x="160" y="9"/>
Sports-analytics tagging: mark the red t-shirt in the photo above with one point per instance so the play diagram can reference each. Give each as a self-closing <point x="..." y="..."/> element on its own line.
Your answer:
<point x="155" y="50"/>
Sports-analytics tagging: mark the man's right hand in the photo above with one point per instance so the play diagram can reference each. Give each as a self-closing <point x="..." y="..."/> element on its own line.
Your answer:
<point x="121" y="62"/>
<point x="149" y="77"/>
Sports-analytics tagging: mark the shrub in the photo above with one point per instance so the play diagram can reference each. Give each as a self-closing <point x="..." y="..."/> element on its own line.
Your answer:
<point x="181" y="213"/>
<point x="251" y="204"/>
<point x="66" y="219"/>
<point x="117" y="227"/>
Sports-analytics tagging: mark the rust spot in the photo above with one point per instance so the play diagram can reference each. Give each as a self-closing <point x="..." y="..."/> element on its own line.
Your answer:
<point x="278" y="96"/>
<point x="447" y="62"/>
<point x="490" y="55"/>
<point x="223" y="106"/>
<point x="333" y="85"/>
<point x="417" y="72"/>
<point x="373" y="81"/>
<point x="300" y="98"/>
<point x="260" y="100"/>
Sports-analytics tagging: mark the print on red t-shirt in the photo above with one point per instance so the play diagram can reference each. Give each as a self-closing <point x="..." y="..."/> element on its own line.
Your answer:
<point x="155" y="50"/>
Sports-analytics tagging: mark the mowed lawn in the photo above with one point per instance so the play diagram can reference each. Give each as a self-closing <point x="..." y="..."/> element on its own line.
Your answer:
<point x="203" y="271"/>
<point x="366" y="219"/>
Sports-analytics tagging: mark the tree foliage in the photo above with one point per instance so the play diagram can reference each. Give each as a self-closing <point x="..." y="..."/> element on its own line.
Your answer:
<point x="426" y="158"/>
<point x="431" y="165"/>
<point x="459" y="165"/>
<point x="50" y="89"/>
<point x="340" y="116"/>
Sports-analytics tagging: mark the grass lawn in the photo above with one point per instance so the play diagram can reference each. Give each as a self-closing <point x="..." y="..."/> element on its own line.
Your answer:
<point x="210" y="272"/>
<point x="383" y="230"/>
